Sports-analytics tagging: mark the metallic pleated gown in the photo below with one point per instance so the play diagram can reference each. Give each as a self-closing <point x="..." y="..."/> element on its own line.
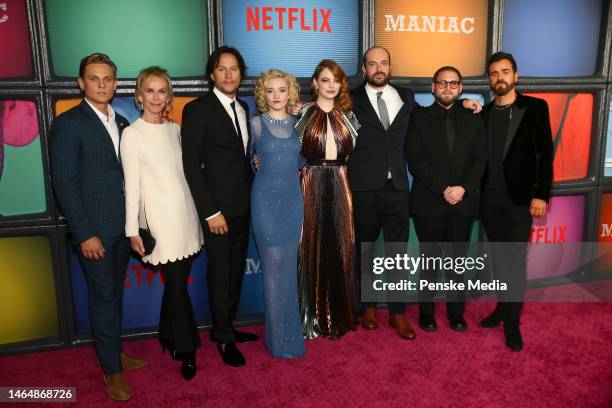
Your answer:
<point x="328" y="284"/>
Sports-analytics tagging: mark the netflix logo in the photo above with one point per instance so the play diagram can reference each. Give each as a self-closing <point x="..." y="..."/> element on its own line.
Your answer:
<point x="138" y="276"/>
<point x="288" y="18"/>
<point x="548" y="235"/>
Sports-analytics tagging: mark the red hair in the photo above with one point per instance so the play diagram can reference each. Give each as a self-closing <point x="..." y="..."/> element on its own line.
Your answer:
<point x="343" y="100"/>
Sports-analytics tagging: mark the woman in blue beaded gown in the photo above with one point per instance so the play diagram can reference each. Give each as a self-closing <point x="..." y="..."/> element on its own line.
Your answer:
<point x="277" y="209"/>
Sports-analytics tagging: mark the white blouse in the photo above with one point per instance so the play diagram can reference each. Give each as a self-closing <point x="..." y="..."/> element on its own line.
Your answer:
<point x="155" y="185"/>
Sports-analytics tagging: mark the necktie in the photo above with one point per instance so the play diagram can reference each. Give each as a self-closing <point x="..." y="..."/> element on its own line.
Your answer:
<point x="450" y="132"/>
<point x="382" y="110"/>
<point x="236" y="122"/>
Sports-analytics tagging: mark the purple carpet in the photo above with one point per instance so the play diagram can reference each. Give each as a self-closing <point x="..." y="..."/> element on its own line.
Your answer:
<point x="566" y="362"/>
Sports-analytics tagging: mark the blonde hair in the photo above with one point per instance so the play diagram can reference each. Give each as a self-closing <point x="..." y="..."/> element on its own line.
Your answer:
<point x="260" y="89"/>
<point x="159" y="72"/>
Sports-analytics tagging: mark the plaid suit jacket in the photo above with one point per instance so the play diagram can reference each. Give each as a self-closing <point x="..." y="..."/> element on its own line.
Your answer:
<point x="87" y="175"/>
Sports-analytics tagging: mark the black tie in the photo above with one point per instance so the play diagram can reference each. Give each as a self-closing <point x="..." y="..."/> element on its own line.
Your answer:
<point x="233" y="105"/>
<point x="450" y="131"/>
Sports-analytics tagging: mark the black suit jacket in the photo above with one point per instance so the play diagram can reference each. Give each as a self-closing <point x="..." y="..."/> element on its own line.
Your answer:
<point x="216" y="166"/>
<point x="434" y="167"/>
<point x="528" y="153"/>
<point x="87" y="174"/>
<point x="378" y="150"/>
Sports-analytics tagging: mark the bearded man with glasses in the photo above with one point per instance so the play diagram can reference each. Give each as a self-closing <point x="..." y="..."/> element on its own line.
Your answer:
<point x="446" y="152"/>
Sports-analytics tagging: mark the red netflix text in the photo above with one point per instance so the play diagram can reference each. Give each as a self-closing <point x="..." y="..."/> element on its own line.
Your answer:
<point x="548" y="235"/>
<point x="287" y="18"/>
<point x="138" y="275"/>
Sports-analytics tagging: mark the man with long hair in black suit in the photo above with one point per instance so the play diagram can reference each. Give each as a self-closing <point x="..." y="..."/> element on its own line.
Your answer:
<point x="215" y="141"/>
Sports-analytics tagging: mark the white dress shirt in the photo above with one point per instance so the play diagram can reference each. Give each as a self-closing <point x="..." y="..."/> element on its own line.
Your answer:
<point x="390" y="96"/>
<point x="226" y="102"/>
<point x="109" y="123"/>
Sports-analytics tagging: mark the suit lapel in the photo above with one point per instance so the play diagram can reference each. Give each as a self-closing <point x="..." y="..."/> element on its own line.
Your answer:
<point x="248" y="128"/>
<point x="227" y="122"/>
<point x="101" y="133"/>
<point x="517" y="113"/>
<point x="366" y="105"/>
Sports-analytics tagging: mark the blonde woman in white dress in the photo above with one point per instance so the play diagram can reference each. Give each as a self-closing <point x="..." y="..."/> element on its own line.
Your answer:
<point x="157" y="196"/>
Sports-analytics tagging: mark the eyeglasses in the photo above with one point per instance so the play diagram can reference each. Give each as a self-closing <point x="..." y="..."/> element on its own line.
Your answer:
<point x="443" y="84"/>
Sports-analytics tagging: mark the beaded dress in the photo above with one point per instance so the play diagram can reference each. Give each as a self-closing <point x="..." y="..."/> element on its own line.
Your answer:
<point x="277" y="209"/>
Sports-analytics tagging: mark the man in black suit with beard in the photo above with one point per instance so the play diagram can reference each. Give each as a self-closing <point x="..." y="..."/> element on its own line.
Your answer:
<point x="377" y="170"/>
<point x="446" y="152"/>
<point x="215" y="141"/>
<point x="517" y="185"/>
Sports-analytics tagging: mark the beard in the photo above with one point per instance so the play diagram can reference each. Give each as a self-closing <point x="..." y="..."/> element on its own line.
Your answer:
<point x="446" y="100"/>
<point x="501" y="91"/>
<point x="382" y="82"/>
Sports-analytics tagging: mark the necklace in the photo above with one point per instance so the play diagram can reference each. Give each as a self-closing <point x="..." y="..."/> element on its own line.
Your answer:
<point x="271" y="119"/>
<point x="502" y="107"/>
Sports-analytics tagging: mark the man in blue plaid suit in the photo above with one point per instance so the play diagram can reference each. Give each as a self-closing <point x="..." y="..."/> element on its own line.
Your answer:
<point x="88" y="183"/>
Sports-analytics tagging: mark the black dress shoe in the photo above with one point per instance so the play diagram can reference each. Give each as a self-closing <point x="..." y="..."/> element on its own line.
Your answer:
<point x="514" y="339"/>
<point x="493" y="319"/>
<point x="428" y="323"/>
<point x="239" y="337"/>
<point x="231" y="355"/>
<point x="457" y="323"/>
<point x="188" y="368"/>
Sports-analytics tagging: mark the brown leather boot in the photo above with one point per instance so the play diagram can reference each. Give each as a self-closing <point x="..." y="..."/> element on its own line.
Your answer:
<point x="368" y="319"/>
<point x="128" y="362"/>
<point x="117" y="387"/>
<point x="402" y="327"/>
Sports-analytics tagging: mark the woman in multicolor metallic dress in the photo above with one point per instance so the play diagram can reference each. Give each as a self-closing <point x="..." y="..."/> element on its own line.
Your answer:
<point x="277" y="209"/>
<point x="328" y="284"/>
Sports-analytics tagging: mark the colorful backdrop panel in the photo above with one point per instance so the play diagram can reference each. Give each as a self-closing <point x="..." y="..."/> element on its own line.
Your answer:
<point x="424" y="35"/>
<point x="608" y="158"/>
<point x="553" y="38"/>
<point x="143" y="291"/>
<point x="563" y="222"/>
<point x="135" y="34"/>
<point x="571" y="121"/>
<point x="125" y="106"/>
<point x="605" y="231"/>
<point x="16" y="60"/>
<point x="28" y="303"/>
<point x="22" y="181"/>
<point x="293" y="35"/>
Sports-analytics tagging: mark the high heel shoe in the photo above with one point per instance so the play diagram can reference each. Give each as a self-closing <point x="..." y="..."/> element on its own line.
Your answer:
<point x="167" y="344"/>
<point x="188" y="368"/>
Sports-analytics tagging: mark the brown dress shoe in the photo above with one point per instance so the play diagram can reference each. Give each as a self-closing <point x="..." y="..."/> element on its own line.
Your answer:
<point x="368" y="319"/>
<point x="117" y="387"/>
<point x="128" y="362"/>
<point x="398" y="321"/>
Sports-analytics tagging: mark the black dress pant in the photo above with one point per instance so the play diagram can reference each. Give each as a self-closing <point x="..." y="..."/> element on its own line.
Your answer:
<point x="386" y="210"/>
<point x="505" y="221"/>
<point x="431" y="232"/>
<point x="105" y="280"/>
<point x="177" y="321"/>
<point x="225" y="271"/>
